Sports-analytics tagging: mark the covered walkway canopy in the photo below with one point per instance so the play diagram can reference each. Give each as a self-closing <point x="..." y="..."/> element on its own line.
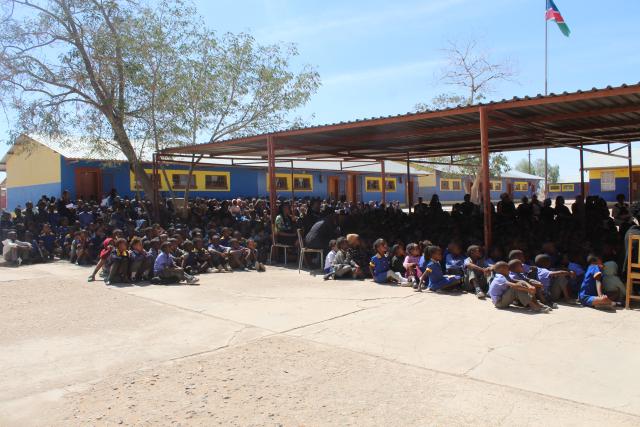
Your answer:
<point x="608" y="116"/>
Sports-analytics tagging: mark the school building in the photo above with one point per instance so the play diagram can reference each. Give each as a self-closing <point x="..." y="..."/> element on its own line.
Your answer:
<point x="605" y="176"/>
<point x="37" y="166"/>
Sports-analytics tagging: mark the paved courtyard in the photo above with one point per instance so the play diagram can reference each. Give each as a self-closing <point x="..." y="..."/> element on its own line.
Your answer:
<point x="279" y="348"/>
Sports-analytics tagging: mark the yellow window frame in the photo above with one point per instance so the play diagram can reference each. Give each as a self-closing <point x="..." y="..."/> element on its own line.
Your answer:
<point x="496" y="185"/>
<point x="287" y="178"/>
<point x="450" y="181"/>
<point x="199" y="176"/>
<point x="210" y="173"/>
<point x="521" y="186"/>
<point x="392" y="181"/>
<point x="568" y="188"/>
<point x="555" y="188"/>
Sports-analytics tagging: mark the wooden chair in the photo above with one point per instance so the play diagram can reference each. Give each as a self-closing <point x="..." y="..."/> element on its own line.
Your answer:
<point x="304" y="250"/>
<point x="633" y="268"/>
<point x="275" y="246"/>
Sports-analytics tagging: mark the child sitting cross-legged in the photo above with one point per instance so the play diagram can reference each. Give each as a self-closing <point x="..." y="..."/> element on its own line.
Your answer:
<point x="592" y="290"/>
<point x="454" y="261"/>
<point x="476" y="271"/>
<point x="380" y="265"/>
<point x="166" y="270"/>
<point x="504" y="291"/>
<point x="328" y="261"/>
<point x="118" y="263"/>
<point x="397" y="259"/>
<point x="517" y="273"/>
<point x="437" y="280"/>
<point x="412" y="263"/>
<point x="343" y="265"/>
<point x="555" y="283"/>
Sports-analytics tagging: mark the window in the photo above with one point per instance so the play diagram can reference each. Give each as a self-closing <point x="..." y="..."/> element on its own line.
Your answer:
<point x="450" y="184"/>
<point x="216" y="182"/>
<point x="495" y="185"/>
<point x="520" y="186"/>
<point x="179" y="180"/>
<point x="608" y="181"/>
<point x="373" y="184"/>
<point x="555" y="188"/>
<point x="282" y="183"/>
<point x="302" y="183"/>
<point x="391" y="184"/>
<point x="568" y="188"/>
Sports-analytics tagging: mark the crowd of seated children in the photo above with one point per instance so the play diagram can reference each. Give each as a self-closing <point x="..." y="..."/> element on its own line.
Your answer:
<point x="538" y="287"/>
<point x="236" y="234"/>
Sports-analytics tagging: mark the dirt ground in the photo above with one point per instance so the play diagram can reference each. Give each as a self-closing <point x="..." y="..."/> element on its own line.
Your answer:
<point x="279" y="348"/>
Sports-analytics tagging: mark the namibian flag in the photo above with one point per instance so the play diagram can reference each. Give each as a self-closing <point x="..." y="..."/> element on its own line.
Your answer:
<point x="553" y="14"/>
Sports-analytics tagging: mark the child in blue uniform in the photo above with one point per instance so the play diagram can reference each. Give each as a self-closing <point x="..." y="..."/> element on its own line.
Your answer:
<point x="591" y="293"/>
<point x="504" y="291"/>
<point x="381" y="266"/>
<point x="454" y="261"/>
<point x="437" y="280"/>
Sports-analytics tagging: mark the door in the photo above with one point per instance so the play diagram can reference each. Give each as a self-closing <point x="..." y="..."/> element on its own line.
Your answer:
<point x="88" y="183"/>
<point x="509" y="188"/>
<point x="636" y="186"/>
<point x="352" y="188"/>
<point x="333" y="187"/>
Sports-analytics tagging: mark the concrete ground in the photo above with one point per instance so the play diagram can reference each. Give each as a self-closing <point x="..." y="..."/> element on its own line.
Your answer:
<point x="279" y="348"/>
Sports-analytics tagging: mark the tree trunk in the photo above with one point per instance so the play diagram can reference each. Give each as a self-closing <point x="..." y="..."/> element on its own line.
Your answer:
<point x="123" y="141"/>
<point x="194" y="162"/>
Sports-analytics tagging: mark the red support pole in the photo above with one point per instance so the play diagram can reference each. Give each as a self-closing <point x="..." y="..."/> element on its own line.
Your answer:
<point x="630" y="167"/>
<point x="272" y="178"/>
<point x="409" y="186"/>
<point x="582" y="172"/>
<point x="486" y="195"/>
<point x="384" y="183"/>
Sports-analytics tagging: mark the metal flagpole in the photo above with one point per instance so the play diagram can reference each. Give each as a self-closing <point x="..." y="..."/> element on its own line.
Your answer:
<point x="546" y="91"/>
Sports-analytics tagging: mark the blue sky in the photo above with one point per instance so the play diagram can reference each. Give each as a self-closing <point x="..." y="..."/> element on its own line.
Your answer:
<point x="379" y="58"/>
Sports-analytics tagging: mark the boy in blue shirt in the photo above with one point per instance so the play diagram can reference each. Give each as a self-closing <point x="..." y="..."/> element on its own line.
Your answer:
<point x="591" y="291"/>
<point x="555" y="283"/>
<point x="380" y="265"/>
<point x="454" y="261"/>
<point x="503" y="291"/>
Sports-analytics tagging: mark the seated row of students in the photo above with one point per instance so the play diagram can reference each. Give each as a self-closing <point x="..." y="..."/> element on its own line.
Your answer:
<point x="164" y="259"/>
<point x="538" y="287"/>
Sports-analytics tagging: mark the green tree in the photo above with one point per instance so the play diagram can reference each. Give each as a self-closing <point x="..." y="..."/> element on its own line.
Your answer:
<point x="537" y="168"/>
<point x="125" y="74"/>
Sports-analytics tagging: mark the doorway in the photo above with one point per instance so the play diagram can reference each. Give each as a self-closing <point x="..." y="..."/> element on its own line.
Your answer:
<point x="352" y="188"/>
<point x="635" y="186"/>
<point x="88" y="183"/>
<point x="333" y="187"/>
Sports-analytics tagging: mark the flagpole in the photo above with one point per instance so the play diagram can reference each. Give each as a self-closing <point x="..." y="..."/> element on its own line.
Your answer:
<point x="546" y="92"/>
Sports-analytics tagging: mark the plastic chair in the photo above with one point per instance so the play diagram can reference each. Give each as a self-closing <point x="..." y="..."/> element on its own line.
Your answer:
<point x="275" y="245"/>
<point x="633" y="269"/>
<point x="304" y="250"/>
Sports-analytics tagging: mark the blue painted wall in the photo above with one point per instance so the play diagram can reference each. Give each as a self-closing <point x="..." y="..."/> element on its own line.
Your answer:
<point x="19" y="196"/>
<point x="458" y="196"/>
<point x="622" y="186"/>
<point x="391" y="196"/>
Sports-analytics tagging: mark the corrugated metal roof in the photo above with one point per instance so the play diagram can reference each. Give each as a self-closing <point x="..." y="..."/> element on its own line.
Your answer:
<point x="556" y="120"/>
<point x="79" y="148"/>
<point x="599" y="161"/>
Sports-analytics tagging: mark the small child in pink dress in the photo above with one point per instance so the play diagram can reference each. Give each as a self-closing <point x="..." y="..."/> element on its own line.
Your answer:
<point x="412" y="263"/>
